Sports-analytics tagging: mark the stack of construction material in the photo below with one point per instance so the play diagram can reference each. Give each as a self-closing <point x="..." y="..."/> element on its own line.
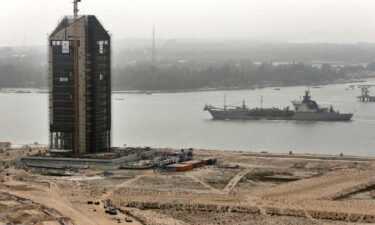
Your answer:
<point x="188" y="165"/>
<point x="204" y="161"/>
<point x="180" y="167"/>
<point x="211" y="161"/>
<point x="5" y="144"/>
<point x="195" y="163"/>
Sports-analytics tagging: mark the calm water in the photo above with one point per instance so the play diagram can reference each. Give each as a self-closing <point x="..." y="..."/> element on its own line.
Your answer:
<point x="177" y="120"/>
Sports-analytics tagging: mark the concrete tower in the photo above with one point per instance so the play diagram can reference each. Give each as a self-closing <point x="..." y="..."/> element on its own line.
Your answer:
<point x="79" y="78"/>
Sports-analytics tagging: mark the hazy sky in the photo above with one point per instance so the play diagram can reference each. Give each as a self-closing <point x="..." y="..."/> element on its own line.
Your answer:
<point x="30" y="21"/>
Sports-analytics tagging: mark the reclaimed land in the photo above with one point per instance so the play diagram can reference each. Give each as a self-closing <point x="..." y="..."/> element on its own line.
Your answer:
<point x="241" y="188"/>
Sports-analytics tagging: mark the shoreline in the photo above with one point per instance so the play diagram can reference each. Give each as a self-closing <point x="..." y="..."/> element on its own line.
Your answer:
<point x="17" y="90"/>
<point x="254" y="87"/>
<point x="262" y="154"/>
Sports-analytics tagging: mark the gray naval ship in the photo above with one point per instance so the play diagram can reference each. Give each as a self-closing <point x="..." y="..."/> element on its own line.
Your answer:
<point x="305" y="110"/>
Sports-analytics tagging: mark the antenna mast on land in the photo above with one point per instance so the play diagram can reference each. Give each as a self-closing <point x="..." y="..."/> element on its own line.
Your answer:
<point x="76" y="76"/>
<point x="153" y="45"/>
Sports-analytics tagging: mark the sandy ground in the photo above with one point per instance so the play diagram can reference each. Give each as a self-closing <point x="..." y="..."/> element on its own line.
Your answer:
<point x="264" y="189"/>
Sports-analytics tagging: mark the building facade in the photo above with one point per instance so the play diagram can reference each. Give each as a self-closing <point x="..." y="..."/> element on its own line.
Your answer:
<point x="89" y="113"/>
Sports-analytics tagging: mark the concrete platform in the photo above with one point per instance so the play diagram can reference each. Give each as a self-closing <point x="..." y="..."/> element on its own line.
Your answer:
<point x="82" y="163"/>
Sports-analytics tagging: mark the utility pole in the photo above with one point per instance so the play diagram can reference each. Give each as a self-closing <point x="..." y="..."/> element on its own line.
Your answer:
<point x="76" y="77"/>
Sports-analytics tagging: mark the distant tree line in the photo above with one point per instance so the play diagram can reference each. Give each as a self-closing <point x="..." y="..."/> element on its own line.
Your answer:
<point x="244" y="74"/>
<point x="16" y="74"/>
<point x="197" y="65"/>
<point x="22" y="72"/>
<point x="224" y="50"/>
<point x="27" y="69"/>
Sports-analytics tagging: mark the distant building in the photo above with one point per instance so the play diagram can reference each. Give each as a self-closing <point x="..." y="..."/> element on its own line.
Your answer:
<point x="94" y="86"/>
<point x="6" y="144"/>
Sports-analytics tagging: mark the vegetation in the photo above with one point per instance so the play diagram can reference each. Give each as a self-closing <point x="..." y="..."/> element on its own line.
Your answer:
<point x="199" y="64"/>
<point x="22" y="69"/>
<point x="244" y="74"/>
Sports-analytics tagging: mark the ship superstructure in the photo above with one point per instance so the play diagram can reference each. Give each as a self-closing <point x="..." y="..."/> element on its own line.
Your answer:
<point x="308" y="109"/>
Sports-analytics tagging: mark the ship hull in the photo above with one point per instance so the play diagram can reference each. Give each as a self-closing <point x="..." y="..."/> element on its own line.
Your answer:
<point x="247" y="115"/>
<point x="300" y="116"/>
<point x="322" y="116"/>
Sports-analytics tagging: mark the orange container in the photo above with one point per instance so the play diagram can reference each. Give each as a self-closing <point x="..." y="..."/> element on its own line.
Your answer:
<point x="181" y="167"/>
<point x="5" y="144"/>
<point x="195" y="163"/>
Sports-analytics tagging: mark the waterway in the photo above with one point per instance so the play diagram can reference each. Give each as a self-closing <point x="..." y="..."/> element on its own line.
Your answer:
<point x="177" y="120"/>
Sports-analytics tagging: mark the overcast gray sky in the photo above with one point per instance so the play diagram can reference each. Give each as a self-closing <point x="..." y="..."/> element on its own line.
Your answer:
<point x="281" y="20"/>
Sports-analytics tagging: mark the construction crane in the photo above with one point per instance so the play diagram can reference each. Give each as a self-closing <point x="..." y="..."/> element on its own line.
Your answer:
<point x="76" y="76"/>
<point x="365" y="94"/>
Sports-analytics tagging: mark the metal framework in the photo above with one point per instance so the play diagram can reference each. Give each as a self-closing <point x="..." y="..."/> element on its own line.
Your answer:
<point x="365" y="93"/>
<point x="76" y="78"/>
<point x="80" y="85"/>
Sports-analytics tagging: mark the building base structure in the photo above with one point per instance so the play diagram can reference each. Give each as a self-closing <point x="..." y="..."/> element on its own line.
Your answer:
<point x="104" y="162"/>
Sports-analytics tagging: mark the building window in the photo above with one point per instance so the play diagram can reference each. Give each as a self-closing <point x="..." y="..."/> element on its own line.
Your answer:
<point x="101" y="76"/>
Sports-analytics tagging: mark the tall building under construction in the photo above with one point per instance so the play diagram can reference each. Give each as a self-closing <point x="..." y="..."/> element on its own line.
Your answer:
<point x="80" y="85"/>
